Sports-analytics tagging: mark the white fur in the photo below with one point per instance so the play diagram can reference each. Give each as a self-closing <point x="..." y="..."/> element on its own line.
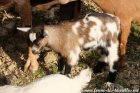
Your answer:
<point x="113" y="55"/>
<point x="112" y="27"/>
<point x="74" y="56"/>
<point x="75" y="26"/>
<point x="81" y="41"/>
<point x="91" y="44"/>
<point x="85" y="25"/>
<point x="96" y="20"/>
<point x="24" y="29"/>
<point x="103" y="58"/>
<point x="32" y="36"/>
<point x="95" y="31"/>
<point x="102" y="43"/>
<point x="85" y="20"/>
<point x="110" y="14"/>
<point x="55" y="83"/>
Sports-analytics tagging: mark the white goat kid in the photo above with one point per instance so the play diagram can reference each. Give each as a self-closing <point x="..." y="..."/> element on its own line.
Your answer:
<point x="55" y="83"/>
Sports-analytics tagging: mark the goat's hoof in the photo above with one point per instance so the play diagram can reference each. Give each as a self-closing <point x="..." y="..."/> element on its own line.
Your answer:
<point x="33" y="69"/>
<point x="109" y="85"/>
<point x="31" y="65"/>
<point x="112" y="86"/>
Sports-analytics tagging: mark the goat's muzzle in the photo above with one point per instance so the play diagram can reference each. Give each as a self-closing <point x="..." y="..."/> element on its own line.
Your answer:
<point x="36" y="50"/>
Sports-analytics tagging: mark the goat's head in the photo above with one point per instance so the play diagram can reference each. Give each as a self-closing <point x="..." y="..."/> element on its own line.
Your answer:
<point x="39" y="41"/>
<point x="39" y="44"/>
<point x="38" y="38"/>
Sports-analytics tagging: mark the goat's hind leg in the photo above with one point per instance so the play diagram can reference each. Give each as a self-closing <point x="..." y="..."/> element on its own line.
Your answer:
<point x="112" y="58"/>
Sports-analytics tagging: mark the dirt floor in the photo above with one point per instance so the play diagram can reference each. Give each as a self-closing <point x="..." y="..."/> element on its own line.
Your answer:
<point x="14" y="50"/>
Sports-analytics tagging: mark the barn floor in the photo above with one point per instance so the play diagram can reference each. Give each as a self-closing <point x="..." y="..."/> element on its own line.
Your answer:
<point x="14" y="50"/>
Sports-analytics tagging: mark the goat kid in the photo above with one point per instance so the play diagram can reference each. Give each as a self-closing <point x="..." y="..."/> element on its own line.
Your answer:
<point x="94" y="31"/>
<point x="127" y="11"/>
<point x="55" y="83"/>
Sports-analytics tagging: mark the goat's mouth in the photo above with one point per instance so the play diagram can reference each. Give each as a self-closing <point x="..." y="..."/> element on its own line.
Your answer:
<point x="36" y="50"/>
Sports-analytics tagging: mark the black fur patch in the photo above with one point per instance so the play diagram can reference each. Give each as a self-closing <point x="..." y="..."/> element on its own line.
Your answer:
<point x="67" y="11"/>
<point x="61" y="64"/>
<point x="99" y="67"/>
<point x="63" y="67"/>
<point x="103" y="51"/>
<point x="39" y="30"/>
<point x="112" y="77"/>
<point x="67" y="69"/>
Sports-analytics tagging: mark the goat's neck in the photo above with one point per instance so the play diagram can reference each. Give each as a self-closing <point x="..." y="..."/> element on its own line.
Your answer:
<point x="56" y="38"/>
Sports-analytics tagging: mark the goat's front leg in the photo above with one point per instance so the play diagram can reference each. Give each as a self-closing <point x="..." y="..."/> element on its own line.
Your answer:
<point x="72" y="60"/>
<point x="63" y="67"/>
<point x="31" y="62"/>
<point x="61" y="64"/>
<point x="24" y="7"/>
<point x="102" y="63"/>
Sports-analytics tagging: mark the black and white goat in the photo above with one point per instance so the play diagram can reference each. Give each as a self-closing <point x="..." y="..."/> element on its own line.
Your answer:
<point x="55" y="83"/>
<point x="94" y="31"/>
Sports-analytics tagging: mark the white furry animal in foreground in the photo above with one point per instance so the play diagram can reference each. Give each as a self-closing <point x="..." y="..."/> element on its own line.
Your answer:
<point x="55" y="83"/>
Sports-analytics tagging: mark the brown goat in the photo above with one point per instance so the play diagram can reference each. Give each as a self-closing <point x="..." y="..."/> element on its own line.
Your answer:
<point x="24" y="7"/>
<point x="127" y="11"/>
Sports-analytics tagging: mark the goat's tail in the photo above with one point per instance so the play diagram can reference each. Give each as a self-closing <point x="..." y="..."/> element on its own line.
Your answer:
<point x="84" y="77"/>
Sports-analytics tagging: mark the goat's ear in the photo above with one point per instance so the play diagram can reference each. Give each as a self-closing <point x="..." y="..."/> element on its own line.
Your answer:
<point x="24" y="29"/>
<point x="32" y="36"/>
